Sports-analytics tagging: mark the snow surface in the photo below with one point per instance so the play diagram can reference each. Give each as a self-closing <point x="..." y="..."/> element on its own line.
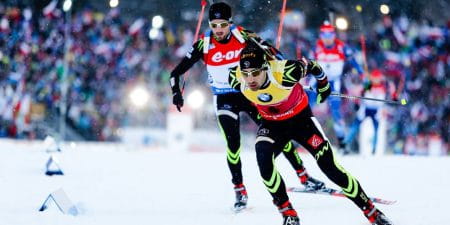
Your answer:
<point x="165" y="187"/>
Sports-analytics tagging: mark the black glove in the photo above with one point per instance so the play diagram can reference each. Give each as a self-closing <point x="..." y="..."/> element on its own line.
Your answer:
<point x="178" y="100"/>
<point x="323" y="90"/>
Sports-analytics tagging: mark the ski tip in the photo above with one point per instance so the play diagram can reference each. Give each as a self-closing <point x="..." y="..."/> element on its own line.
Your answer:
<point x="295" y="189"/>
<point x="385" y="202"/>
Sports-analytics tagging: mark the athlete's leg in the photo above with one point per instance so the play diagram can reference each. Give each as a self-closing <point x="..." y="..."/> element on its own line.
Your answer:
<point x="228" y="119"/>
<point x="268" y="144"/>
<point x="291" y="154"/>
<point x="311" y="136"/>
<point x="289" y="150"/>
<point x="374" y="115"/>
<point x="266" y="149"/>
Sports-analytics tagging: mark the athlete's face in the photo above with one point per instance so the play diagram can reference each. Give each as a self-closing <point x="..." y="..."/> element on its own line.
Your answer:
<point x="328" y="38"/>
<point x="254" y="78"/>
<point x="220" y="28"/>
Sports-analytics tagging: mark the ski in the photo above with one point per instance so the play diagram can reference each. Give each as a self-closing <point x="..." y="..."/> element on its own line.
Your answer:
<point x="240" y="209"/>
<point x="337" y="193"/>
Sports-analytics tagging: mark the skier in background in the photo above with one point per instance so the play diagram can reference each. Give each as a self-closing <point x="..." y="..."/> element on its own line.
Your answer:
<point x="375" y="87"/>
<point x="331" y="54"/>
<point x="220" y="48"/>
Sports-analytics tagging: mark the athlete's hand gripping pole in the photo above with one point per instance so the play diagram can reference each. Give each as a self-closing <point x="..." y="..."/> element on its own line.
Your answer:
<point x="323" y="90"/>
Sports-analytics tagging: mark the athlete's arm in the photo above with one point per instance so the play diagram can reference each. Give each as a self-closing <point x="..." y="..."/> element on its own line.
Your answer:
<point x="316" y="70"/>
<point x="295" y="70"/>
<point x="232" y="80"/>
<point x="323" y="86"/>
<point x="192" y="56"/>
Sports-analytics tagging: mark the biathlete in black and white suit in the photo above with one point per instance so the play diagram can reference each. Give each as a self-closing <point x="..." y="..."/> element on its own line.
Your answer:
<point x="220" y="49"/>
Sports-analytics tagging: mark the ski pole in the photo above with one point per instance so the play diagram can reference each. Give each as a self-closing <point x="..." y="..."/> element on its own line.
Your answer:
<point x="280" y="27"/>
<point x="197" y="30"/>
<point x="199" y="22"/>
<point x="268" y="53"/>
<point x="309" y="88"/>
<point x="362" y="39"/>
<point x="401" y="102"/>
<point x="331" y="12"/>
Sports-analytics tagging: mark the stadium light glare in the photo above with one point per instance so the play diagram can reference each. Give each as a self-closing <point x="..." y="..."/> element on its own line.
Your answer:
<point x="27" y="14"/>
<point x="67" y="5"/>
<point x="113" y="3"/>
<point x="341" y="23"/>
<point x="196" y="99"/>
<point x="384" y="9"/>
<point x="139" y="97"/>
<point x="157" y="22"/>
<point x="153" y="33"/>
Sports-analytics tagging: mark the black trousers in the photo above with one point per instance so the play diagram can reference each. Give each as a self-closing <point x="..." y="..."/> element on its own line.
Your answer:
<point x="305" y="129"/>
<point x="228" y="107"/>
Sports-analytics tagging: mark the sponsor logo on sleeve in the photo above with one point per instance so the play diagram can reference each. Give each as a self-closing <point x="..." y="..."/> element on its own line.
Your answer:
<point x="315" y="141"/>
<point x="262" y="132"/>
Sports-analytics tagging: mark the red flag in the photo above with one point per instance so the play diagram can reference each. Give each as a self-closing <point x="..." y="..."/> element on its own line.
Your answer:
<point x="136" y="26"/>
<point x="50" y="8"/>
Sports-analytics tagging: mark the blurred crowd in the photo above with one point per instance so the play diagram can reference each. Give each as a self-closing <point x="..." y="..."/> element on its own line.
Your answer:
<point x="414" y="57"/>
<point x="107" y="55"/>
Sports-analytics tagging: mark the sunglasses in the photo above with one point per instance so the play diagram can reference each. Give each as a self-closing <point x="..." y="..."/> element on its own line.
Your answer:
<point x="327" y="35"/>
<point x="253" y="73"/>
<point x="221" y="25"/>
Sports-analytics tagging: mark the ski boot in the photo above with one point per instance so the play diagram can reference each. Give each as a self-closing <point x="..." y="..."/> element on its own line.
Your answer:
<point x="241" y="197"/>
<point x="289" y="214"/>
<point x="310" y="183"/>
<point x="376" y="217"/>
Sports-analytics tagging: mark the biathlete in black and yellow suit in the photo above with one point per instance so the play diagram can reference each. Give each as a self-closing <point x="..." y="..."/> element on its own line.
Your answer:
<point x="219" y="48"/>
<point x="273" y="86"/>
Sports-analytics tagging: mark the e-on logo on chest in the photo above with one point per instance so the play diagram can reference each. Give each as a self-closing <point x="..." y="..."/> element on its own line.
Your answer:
<point x="219" y="56"/>
<point x="265" y="97"/>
